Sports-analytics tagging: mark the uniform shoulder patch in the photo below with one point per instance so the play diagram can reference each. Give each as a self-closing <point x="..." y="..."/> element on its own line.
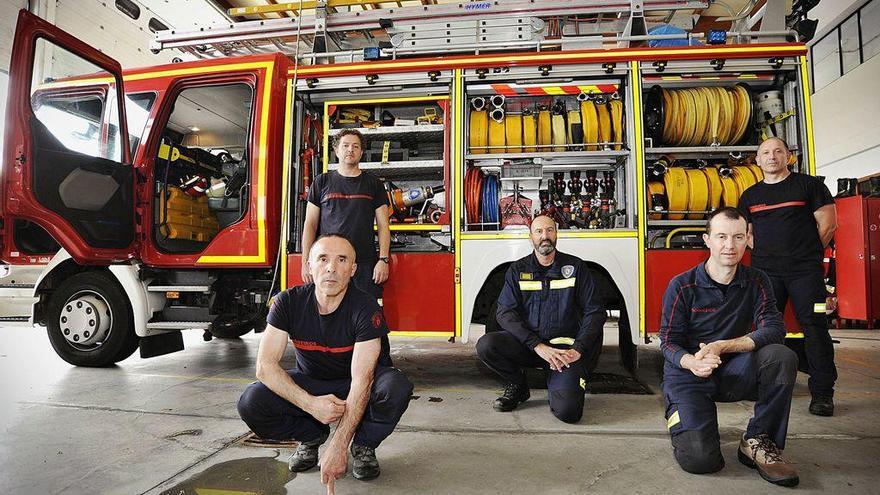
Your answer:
<point x="525" y="276"/>
<point x="567" y="271"/>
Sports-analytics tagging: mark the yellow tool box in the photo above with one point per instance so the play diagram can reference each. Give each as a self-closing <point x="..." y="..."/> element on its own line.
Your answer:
<point x="186" y="217"/>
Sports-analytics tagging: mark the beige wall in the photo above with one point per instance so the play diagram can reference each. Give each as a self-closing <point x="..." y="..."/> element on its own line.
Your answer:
<point x="846" y="113"/>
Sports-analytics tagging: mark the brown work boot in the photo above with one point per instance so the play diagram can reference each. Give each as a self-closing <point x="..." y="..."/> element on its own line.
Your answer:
<point x="762" y="454"/>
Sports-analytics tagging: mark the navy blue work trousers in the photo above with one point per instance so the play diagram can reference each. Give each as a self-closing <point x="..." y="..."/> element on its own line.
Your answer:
<point x="273" y="418"/>
<point x="766" y="376"/>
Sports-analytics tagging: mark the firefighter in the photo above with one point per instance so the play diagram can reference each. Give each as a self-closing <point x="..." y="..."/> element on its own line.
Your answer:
<point x="347" y="201"/>
<point x="792" y="218"/>
<point x="551" y="317"/>
<point x="336" y="331"/>
<point x="713" y="355"/>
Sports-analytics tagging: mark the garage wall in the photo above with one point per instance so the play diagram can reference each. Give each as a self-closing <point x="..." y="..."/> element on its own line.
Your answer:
<point x="8" y="15"/>
<point x="102" y="25"/>
<point x="845" y="123"/>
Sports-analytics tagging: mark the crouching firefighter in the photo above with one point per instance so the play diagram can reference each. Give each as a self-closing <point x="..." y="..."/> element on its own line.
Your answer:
<point x="551" y="316"/>
<point x="722" y="339"/>
<point x="343" y="373"/>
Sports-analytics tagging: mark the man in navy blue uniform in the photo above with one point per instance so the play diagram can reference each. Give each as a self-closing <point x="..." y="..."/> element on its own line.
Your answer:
<point x="792" y="218"/>
<point x="336" y="331"/>
<point x="551" y="316"/>
<point x="348" y="201"/>
<point x="722" y="339"/>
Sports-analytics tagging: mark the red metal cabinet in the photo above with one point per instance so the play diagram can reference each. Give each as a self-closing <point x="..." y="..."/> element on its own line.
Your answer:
<point x="857" y="245"/>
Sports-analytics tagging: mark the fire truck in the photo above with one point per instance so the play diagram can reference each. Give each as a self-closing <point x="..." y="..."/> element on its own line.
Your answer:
<point x="140" y="203"/>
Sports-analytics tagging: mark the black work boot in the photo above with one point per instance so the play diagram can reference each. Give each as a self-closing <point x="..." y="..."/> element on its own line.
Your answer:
<point x="822" y="405"/>
<point x="514" y="394"/>
<point x="364" y="465"/>
<point x="305" y="456"/>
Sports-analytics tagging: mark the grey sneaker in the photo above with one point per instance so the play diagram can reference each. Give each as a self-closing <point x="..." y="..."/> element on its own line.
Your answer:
<point x="364" y="465"/>
<point x="306" y="455"/>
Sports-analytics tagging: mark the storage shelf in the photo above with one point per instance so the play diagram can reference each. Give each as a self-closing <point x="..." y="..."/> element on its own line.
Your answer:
<point x="676" y="223"/>
<point x="395" y="130"/>
<point x="702" y="150"/>
<point x="398" y="169"/>
<point x="571" y="159"/>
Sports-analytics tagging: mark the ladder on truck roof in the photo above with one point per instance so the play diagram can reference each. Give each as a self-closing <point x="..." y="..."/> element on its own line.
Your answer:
<point x="335" y="28"/>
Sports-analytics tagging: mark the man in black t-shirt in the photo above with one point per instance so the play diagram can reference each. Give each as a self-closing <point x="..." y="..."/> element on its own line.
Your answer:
<point x="792" y="218"/>
<point x="336" y="331"/>
<point x="347" y="201"/>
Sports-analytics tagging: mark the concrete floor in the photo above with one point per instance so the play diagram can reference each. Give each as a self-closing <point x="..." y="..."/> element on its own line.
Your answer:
<point x="169" y="425"/>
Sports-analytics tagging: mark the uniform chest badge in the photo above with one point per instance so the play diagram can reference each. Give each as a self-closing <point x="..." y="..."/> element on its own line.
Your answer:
<point x="567" y="271"/>
<point x="525" y="276"/>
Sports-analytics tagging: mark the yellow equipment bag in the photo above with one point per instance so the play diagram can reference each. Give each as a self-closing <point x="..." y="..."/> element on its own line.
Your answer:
<point x="187" y="217"/>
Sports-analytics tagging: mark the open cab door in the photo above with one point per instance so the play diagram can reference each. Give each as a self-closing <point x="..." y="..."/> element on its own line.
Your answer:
<point x="67" y="164"/>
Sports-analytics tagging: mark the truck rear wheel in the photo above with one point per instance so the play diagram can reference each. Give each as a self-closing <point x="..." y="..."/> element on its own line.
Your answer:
<point x="89" y="321"/>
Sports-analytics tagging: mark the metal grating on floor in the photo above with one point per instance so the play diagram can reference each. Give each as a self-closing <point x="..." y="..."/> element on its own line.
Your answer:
<point x="610" y="383"/>
<point x="252" y="440"/>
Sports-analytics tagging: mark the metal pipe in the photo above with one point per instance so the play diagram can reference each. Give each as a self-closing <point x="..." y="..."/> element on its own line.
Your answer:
<point x="679" y="230"/>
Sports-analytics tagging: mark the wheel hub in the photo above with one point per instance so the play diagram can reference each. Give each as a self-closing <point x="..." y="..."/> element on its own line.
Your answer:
<point x="85" y="319"/>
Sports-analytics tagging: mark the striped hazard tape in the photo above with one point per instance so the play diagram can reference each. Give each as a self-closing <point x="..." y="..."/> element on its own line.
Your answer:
<point x="509" y="90"/>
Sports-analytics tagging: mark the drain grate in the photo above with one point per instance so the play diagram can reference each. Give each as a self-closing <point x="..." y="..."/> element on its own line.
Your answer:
<point x="610" y="383"/>
<point x="252" y="440"/>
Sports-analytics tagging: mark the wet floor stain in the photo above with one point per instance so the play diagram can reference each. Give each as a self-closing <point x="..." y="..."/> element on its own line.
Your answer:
<point x="249" y="476"/>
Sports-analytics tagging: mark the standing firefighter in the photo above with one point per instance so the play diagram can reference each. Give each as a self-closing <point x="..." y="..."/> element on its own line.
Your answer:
<point x="792" y="219"/>
<point x="551" y="317"/>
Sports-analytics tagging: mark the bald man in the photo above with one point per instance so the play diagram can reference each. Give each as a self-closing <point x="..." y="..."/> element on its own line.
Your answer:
<point x="336" y="331"/>
<point x="792" y="219"/>
<point x="551" y="316"/>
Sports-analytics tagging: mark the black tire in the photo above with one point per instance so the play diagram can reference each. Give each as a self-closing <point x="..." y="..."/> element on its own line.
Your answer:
<point x="91" y="291"/>
<point x="491" y="320"/>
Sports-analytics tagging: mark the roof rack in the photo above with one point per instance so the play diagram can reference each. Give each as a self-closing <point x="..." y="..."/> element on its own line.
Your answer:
<point x="315" y="28"/>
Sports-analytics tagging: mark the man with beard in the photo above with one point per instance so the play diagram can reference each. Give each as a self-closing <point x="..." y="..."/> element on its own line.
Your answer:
<point x="721" y="336"/>
<point x="336" y="331"/>
<point x="551" y="317"/>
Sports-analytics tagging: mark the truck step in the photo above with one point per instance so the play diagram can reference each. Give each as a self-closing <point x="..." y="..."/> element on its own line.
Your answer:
<point x="14" y="319"/>
<point x="179" y="325"/>
<point x="180" y="288"/>
<point x="17" y="286"/>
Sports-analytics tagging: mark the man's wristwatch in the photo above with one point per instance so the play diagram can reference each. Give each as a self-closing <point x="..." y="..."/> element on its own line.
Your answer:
<point x="385" y="259"/>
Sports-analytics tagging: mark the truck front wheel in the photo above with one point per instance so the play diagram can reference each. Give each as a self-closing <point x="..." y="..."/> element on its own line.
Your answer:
<point x="89" y="321"/>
